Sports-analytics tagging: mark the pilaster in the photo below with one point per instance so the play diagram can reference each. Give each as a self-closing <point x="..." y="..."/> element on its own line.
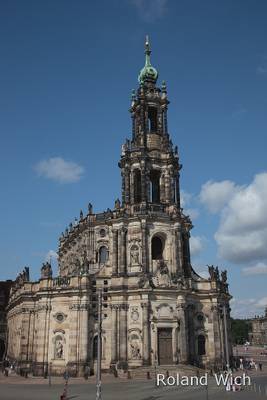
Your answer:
<point x="146" y="333"/>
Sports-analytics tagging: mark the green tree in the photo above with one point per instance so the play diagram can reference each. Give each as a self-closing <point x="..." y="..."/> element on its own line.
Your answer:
<point x="240" y="330"/>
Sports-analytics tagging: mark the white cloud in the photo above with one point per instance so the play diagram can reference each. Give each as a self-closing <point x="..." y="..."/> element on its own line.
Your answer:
<point x="258" y="269"/>
<point x="242" y="233"/>
<point x="150" y="10"/>
<point x="57" y="169"/>
<point x="192" y="212"/>
<point x="262" y="302"/>
<point x="51" y="255"/>
<point x="186" y="199"/>
<point x="215" y="195"/>
<point x="203" y="273"/>
<point x="247" y="308"/>
<point x="196" y="245"/>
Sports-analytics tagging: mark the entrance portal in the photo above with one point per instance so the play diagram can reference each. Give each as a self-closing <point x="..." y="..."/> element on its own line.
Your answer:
<point x="165" y="346"/>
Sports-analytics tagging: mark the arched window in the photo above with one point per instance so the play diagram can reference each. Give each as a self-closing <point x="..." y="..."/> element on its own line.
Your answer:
<point x="103" y="255"/>
<point x="154" y="187"/>
<point x="137" y="186"/>
<point x="201" y="345"/>
<point x="152" y="119"/>
<point x="157" y="248"/>
<point x="95" y="347"/>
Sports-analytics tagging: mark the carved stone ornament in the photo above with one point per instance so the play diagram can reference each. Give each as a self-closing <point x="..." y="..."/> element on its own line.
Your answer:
<point x="135" y="255"/>
<point x="134" y="314"/>
<point x="135" y="352"/>
<point x="162" y="277"/>
<point x="60" y="317"/>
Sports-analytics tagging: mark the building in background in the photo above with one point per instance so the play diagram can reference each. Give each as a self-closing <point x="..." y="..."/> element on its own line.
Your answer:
<point x="156" y="308"/>
<point x="4" y="297"/>
<point x="258" y="335"/>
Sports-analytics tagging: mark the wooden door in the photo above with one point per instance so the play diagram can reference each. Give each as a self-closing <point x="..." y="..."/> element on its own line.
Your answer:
<point x="165" y="346"/>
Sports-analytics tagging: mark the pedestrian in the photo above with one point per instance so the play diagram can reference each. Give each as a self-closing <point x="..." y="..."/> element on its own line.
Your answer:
<point x="66" y="376"/>
<point x="260" y="366"/>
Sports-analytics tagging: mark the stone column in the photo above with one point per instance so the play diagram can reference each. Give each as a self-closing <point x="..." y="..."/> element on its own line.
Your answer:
<point x="174" y="345"/>
<point x="131" y="187"/>
<point x="144" y="246"/>
<point x="162" y="188"/>
<point x="143" y="185"/>
<point x="119" y="249"/>
<point x="167" y="187"/>
<point x="191" y="332"/>
<point x="148" y="188"/>
<point x="178" y="190"/>
<point x="122" y="247"/>
<point x="127" y="186"/>
<point x="221" y="327"/>
<point x="83" y="335"/>
<point x="123" y="187"/>
<point x="175" y="245"/>
<point x="73" y="329"/>
<point x="172" y="187"/>
<point x="186" y="254"/>
<point x="215" y="312"/>
<point x="123" y="332"/>
<point x="133" y="125"/>
<point x="146" y="333"/>
<point x="165" y="119"/>
<point x="114" y="356"/>
<point x="115" y="252"/>
<point x="182" y="333"/>
<point x="179" y="252"/>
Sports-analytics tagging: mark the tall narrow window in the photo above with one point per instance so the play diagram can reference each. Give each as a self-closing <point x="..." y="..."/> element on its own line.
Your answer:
<point x="155" y="186"/>
<point x="201" y="345"/>
<point x="137" y="186"/>
<point x="157" y="248"/>
<point x="152" y="119"/>
<point x="103" y="255"/>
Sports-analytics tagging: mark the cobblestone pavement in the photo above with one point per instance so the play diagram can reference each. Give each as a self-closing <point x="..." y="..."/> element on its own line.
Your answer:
<point x="17" y="388"/>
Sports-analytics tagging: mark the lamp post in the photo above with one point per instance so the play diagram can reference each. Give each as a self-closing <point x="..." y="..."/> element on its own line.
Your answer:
<point x="99" y="347"/>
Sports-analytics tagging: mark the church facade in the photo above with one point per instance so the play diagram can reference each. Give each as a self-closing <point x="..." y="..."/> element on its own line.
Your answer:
<point x="156" y="308"/>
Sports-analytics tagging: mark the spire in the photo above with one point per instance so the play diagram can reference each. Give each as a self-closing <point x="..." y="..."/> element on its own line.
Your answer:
<point x="147" y="52"/>
<point x="148" y="73"/>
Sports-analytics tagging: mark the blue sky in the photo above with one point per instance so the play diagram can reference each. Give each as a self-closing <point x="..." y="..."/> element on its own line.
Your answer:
<point x="66" y="73"/>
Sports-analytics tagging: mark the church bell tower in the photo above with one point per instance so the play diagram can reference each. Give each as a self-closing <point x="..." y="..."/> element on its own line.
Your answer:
<point x="149" y="163"/>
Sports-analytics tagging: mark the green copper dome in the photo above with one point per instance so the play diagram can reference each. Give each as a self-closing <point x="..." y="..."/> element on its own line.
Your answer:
<point x="148" y="73"/>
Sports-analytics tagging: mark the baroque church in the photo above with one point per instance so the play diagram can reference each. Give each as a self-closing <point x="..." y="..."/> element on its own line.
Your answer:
<point x="155" y="308"/>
